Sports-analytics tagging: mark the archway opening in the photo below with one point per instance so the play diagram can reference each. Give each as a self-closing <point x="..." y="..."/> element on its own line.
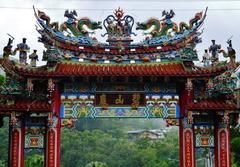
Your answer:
<point x="120" y="142"/>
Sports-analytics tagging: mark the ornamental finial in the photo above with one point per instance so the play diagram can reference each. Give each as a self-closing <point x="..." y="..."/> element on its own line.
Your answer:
<point x="119" y="13"/>
<point x="119" y="27"/>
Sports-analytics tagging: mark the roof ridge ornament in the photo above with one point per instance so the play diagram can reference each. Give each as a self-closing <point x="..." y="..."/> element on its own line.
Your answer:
<point x="72" y="31"/>
<point x="119" y="27"/>
<point x="164" y="30"/>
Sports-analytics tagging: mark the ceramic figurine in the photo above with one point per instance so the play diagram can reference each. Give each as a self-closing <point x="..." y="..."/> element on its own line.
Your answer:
<point x="34" y="58"/>
<point x="23" y="48"/>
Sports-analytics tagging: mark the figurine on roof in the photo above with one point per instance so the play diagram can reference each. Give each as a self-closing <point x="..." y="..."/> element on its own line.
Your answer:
<point x="168" y="16"/>
<point x="214" y="50"/>
<point x="71" y="16"/>
<point x="7" y="50"/>
<point x="23" y="48"/>
<point x="34" y="58"/>
<point x="231" y="53"/>
<point x="206" y="58"/>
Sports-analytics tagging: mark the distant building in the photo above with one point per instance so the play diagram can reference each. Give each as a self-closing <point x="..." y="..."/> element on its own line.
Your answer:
<point x="2" y="72"/>
<point x="146" y="134"/>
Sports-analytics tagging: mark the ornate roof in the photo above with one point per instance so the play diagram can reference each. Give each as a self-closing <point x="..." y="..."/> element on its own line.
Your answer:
<point x="26" y="105"/>
<point x="211" y="105"/>
<point x="226" y="83"/>
<point x="66" y="69"/>
<point x="164" y="39"/>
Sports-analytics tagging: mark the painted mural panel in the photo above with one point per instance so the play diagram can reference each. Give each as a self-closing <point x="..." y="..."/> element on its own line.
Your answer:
<point x="119" y="101"/>
<point x="34" y="137"/>
<point x="34" y="133"/>
<point x="204" y="135"/>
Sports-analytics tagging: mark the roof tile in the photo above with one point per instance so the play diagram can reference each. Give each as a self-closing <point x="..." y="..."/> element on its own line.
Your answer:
<point x="211" y="105"/>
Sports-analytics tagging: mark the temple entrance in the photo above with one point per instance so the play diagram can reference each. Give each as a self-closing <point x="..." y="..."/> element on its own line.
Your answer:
<point x="119" y="80"/>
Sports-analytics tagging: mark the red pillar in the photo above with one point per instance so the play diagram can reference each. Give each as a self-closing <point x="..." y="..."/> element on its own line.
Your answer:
<point x="53" y="133"/>
<point x="17" y="143"/>
<point x="186" y="137"/>
<point x="222" y="145"/>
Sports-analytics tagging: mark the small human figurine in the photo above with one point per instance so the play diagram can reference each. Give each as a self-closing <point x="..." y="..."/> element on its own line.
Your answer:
<point x="168" y="16"/>
<point x="214" y="50"/>
<point x="231" y="53"/>
<point x="7" y="50"/>
<point x="126" y="28"/>
<point x="34" y="58"/>
<point x="23" y="48"/>
<point x="206" y="58"/>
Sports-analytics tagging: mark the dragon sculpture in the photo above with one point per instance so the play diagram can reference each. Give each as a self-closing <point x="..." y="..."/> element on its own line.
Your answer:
<point x="231" y="54"/>
<point x="73" y="25"/>
<point x="47" y="20"/>
<point x="160" y="27"/>
<point x="165" y="25"/>
<point x="194" y="21"/>
<point x="76" y="26"/>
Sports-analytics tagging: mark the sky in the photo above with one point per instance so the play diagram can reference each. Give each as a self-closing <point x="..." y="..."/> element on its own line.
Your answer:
<point x="222" y="22"/>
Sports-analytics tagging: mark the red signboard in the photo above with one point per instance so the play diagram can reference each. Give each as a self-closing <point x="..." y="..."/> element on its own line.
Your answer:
<point x="51" y="148"/>
<point x="15" y="148"/>
<point x="188" y="148"/>
<point x="223" y="148"/>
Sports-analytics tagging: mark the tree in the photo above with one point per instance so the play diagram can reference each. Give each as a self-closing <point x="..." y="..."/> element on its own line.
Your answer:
<point x="2" y="79"/>
<point x="34" y="160"/>
<point x="4" y="143"/>
<point x="2" y="163"/>
<point x="235" y="146"/>
<point x="96" y="164"/>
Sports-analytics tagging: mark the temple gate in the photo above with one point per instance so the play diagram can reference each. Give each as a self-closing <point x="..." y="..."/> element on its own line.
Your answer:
<point x="155" y="78"/>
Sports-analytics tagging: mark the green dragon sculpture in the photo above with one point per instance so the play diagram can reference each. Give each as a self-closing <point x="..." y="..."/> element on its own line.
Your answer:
<point x="159" y="29"/>
<point x="77" y="27"/>
<point x="72" y="25"/>
<point x="165" y="26"/>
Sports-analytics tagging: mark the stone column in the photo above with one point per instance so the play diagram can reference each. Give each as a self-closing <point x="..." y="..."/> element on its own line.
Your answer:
<point x="17" y="133"/>
<point x="186" y="137"/>
<point x="53" y="132"/>
<point x="222" y="143"/>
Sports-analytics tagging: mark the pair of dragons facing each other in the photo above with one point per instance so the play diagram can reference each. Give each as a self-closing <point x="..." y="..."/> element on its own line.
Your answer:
<point x="155" y="26"/>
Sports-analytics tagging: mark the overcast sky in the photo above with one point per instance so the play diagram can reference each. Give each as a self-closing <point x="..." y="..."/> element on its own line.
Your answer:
<point x="223" y="18"/>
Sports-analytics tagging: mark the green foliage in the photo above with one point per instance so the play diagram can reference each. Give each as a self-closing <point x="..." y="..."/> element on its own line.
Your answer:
<point x="34" y="160"/>
<point x="3" y="163"/>
<point x="2" y="79"/>
<point x="235" y="146"/>
<point x="80" y="148"/>
<point x="96" y="164"/>
<point x="235" y="143"/>
<point x="4" y="143"/>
